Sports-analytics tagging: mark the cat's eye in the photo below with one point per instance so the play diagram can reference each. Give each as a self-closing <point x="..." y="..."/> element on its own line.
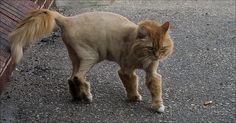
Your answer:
<point x="162" y="49"/>
<point x="150" y="48"/>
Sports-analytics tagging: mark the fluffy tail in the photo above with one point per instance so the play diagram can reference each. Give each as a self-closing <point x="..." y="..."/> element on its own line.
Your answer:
<point x="38" y="23"/>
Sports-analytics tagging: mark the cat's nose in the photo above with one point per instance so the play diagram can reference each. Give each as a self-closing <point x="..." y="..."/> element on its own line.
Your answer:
<point x="156" y="54"/>
<point x="156" y="57"/>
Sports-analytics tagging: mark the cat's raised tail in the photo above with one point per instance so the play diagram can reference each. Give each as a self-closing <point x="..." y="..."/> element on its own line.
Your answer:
<point x="38" y="23"/>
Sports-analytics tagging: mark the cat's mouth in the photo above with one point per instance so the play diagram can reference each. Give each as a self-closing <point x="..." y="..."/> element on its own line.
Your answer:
<point x="155" y="56"/>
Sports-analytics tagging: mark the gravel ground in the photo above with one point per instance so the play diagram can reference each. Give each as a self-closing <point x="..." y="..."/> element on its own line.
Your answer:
<point x="201" y="69"/>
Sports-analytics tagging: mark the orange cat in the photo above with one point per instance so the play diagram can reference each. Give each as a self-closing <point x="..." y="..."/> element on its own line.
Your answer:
<point x="96" y="36"/>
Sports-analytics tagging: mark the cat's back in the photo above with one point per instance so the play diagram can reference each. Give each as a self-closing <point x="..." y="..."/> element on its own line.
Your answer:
<point x="100" y="26"/>
<point x="100" y="17"/>
<point x="98" y="21"/>
<point x="104" y="32"/>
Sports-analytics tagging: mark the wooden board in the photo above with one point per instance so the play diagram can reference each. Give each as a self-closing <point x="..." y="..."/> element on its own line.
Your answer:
<point x="11" y="12"/>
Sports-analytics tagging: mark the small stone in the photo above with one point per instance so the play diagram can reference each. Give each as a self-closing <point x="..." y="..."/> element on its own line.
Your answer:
<point x="44" y="40"/>
<point x="207" y="103"/>
<point x="8" y="97"/>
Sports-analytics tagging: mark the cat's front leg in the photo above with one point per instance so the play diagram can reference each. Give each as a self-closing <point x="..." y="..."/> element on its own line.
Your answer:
<point x="154" y="84"/>
<point x="130" y="82"/>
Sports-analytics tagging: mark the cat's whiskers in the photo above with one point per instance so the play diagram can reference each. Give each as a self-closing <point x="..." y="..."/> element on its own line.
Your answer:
<point x="145" y="61"/>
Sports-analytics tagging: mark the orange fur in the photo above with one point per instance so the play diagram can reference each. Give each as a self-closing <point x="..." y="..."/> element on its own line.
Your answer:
<point x="35" y="25"/>
<point x="130" y="82"/>
<point x="96" y="36"/>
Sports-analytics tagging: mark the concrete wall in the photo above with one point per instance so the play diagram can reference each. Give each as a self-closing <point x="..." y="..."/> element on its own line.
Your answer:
<point x="68" y="4"/>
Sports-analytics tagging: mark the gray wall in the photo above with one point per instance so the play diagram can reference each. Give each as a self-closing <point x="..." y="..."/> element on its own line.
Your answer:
<point x="68" y="4"/>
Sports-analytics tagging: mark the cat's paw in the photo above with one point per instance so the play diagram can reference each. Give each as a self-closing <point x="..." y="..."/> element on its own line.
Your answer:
<point x="84" y="98"/>
<point x="88" y="98"/>
<point x="159" y="108"/>
<point x="136" y="98"/>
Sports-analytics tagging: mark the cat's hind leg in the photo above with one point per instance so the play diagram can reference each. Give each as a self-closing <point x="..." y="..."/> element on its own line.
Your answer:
<point x="154" y="84"/>
<point x="79" y="87"/>
<point x="130" y="82"/>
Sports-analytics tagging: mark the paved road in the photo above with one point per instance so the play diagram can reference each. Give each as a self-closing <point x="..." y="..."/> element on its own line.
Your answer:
<point x="201" y="69"/>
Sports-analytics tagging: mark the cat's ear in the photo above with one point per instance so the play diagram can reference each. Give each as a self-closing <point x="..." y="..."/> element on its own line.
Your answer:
<point x="165" y="26"/>
<point x="142" y="32"/>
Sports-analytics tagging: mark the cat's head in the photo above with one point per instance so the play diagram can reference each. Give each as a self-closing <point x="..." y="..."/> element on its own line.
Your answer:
<point x="153" y="41"/>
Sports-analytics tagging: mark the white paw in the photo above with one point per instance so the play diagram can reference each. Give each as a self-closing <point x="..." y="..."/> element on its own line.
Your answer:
<point x="90" y="98"/>
<point x="159" y="109"/>
<point x="139" y="98"/>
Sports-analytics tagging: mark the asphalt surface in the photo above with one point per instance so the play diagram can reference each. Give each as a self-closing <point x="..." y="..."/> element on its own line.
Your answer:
<point x="200" y="71"/>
